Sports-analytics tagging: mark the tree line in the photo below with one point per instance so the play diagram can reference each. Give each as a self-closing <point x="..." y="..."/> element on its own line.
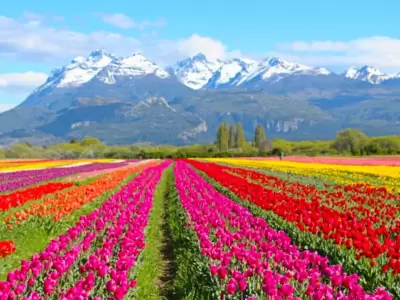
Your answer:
<point x="233" y="138"/>
<point x="230" y="138"/>
<point x="230" y="142"/>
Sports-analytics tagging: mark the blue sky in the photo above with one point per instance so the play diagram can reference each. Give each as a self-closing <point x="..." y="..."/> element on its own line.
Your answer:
<point x="36" y="36"/>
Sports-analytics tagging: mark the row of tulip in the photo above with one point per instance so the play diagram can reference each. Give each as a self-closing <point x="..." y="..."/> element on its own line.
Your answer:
<point x="384" y="171"/>
<point x="359" y="161"/>
<point x="16" y="180"/>
<point x="251" y="260"/>
<point x="4" y="164"/>
<point x="11" y="166"/>
<point x="54" y="207"/>
<point x="377" y="205"/>
<point x="287" y="216"/>
<point x="378" y="176"/>
<point x="95" y="257"/>
<point x="367" y="235"/>
<point x="21" y="165"/>
<point x="19" y="198"/>
<point x="28" y="172"/>
<point x="65" y="202"/>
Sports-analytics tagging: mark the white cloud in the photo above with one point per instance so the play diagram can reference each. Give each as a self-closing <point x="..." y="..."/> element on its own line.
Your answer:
<point x="119" y="20"/>
<point x="5" y="107"/>
<point x="21" y="82"/>
<point x="31" y="16"/>
<point x="170" y="51"/>
<point x="196" y="43"/>
<point x="39" y="18"/>
<point x="380" y="51"/>
<point x="125" y="22"/>
<point x="34" y="41"/>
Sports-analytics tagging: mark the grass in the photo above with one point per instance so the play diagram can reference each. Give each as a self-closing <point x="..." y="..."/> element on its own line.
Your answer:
<point x="152" y="265"/>
<point x="190" y="278"/>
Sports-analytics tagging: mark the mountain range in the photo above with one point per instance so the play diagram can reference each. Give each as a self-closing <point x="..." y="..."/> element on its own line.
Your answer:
<point x="132" y="99"/>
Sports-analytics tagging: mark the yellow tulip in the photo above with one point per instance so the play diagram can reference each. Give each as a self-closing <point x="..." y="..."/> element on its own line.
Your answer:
<point x="378" y="176"/>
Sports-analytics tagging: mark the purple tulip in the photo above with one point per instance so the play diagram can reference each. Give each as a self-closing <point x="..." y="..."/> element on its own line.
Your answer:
<point x="15" y="180"/>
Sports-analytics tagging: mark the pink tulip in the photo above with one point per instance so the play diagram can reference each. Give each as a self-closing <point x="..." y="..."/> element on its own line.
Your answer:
<point x="242" y="285"/>
<point x="231" y="286"/>
<point x="233" y="239"/>
<point x="119" y="222"/>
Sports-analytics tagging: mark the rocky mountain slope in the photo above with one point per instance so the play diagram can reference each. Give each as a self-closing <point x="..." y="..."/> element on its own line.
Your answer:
<point x="132" y="99"/>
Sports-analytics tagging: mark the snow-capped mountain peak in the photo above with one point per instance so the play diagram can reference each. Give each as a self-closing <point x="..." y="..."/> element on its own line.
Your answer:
<point x="78" y="60"/>
<point x="199" y="57"/>
<point x="99" y="53"/>
<point x="367" y="73"/>
<point x="275" y="61"/>
<point x="275" y="68"/>
<point x="231" y="72"/>
<point x="102" y="65"/>
<point x="239" y="71"/>
<point x="351" y="72"/>
<point x="130" y="66"/>
<point x="196" y="71"/>
<point x="81" y="71"/>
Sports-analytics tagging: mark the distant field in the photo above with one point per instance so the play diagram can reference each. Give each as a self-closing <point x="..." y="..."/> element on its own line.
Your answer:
<point x="365" y="161"/>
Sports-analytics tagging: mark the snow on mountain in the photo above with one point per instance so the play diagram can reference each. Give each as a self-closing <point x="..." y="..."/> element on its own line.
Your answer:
<point x="231" y="72"/>
<point x="102" y="65"/>
<point x="395" y="76"/>
<point x="351" y="73"/>
<point x="196" y="71"/>
<point x="367" y="73"/>
<point x="135" y="65"/>
<point x="275" y="68"/>
<point x="79" y="71"/>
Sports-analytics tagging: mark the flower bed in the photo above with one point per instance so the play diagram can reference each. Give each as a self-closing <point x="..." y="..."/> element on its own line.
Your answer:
<point x="250" y="259"/>
<point x="96" y="256"/>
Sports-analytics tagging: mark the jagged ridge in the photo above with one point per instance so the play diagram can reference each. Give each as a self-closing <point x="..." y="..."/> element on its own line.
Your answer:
<point x="196" y="72"/>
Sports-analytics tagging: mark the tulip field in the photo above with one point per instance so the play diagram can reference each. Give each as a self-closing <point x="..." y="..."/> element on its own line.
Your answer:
<point x="217" y="228"/>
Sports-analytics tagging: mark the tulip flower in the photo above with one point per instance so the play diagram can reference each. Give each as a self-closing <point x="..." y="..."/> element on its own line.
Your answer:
<point x="83" y="252"/>
<point x="249" y="257"/>
<point x="15" y="180"/>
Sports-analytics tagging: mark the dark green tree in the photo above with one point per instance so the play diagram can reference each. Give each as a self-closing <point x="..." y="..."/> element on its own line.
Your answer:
<point x="259" y="136"/>
<point x="223" y="137"/>
<point x="350" y="140"/>
<point x="256" y="135"/>
<point x="240" y="141"/>
<point x="218" y="139"/>
<point x="232" y="136"/>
